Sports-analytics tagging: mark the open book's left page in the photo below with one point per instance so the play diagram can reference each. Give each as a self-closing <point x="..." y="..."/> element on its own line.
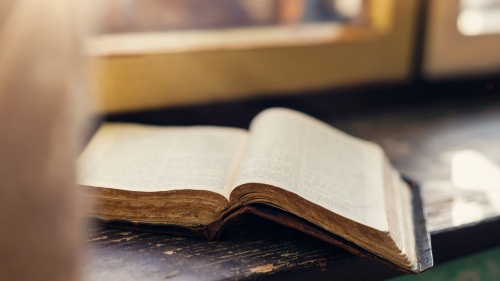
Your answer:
<point x="149" y="158"/>
<point x="169" y="169"/>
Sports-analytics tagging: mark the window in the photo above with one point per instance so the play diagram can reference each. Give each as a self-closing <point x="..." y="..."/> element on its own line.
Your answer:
<point x="160" y="15"/>
<point x="479" y="17"/>
<point x="143" y="59"/>
<point x="462" y="38"/>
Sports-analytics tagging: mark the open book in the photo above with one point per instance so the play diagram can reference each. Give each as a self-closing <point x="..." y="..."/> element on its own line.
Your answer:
<point x="288" y="167"/>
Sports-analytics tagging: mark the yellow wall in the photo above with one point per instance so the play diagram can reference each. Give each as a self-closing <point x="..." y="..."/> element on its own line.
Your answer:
<point x="151" y="80"/>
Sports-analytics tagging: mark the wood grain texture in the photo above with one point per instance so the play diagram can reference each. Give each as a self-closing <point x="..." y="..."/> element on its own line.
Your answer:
<point x="419" y="126"/>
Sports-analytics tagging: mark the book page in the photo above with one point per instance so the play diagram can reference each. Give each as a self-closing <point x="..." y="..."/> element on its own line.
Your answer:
<point x="152" y="158"/>
<point x="302" y="155"/>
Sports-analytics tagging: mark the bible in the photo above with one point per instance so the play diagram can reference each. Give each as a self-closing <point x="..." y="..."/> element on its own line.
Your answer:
<point x="287" y="167"/>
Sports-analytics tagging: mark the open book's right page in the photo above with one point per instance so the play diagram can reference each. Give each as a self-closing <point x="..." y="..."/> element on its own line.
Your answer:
<point x="317" y="162"/>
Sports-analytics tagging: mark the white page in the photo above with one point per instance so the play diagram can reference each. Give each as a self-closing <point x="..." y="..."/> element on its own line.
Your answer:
<point x="295" y="152"/>
<point x="150" y="158"/>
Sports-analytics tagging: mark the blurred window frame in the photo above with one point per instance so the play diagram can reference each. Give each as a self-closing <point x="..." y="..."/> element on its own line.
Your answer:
<point x="150" y="70"/>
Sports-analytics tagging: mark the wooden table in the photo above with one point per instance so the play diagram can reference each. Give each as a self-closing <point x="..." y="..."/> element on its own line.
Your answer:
<point x="420" y="126"/>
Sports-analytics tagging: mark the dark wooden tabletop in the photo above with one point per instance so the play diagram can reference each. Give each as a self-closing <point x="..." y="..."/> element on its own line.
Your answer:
<point x="421" y="127"/>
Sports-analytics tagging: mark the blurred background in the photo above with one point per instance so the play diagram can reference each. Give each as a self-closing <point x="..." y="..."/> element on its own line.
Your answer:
<point x="241" y="49"/>
<point x="127" y="16"/>
<point x="421" y="78"/>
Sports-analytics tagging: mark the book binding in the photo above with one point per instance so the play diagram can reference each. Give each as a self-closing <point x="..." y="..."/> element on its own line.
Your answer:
<point x="214" y="230"/>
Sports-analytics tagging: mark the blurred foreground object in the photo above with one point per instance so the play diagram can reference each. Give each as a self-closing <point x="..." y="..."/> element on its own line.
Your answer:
<point x="39" y="226"/>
